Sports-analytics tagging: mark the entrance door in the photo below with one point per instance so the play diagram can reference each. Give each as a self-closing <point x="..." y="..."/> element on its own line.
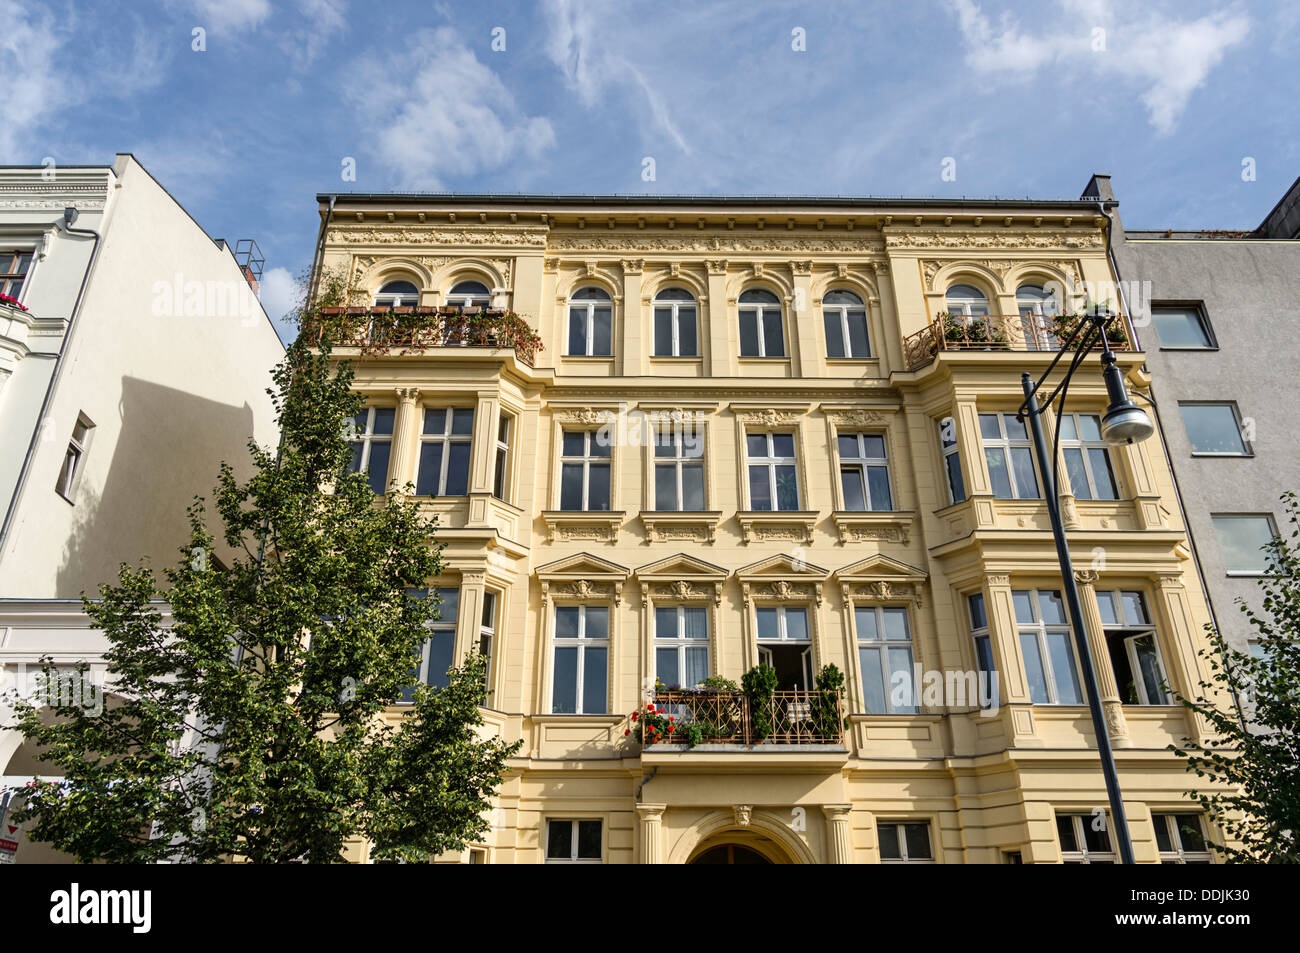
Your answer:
<point x="730" y="854"/>
<point x="793" y="664"/>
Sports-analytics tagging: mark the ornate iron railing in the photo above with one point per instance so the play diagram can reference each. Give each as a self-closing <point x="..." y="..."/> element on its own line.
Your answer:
<point x="998" y="332"/>
<point x="380" y="329"/>
<point x="811" y="717"/>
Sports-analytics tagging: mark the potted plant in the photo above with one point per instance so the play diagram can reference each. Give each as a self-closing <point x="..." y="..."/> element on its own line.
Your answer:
<point x="759" y="686"/>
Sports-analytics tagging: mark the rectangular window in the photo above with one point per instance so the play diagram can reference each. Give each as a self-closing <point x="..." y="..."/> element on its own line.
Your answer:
<point x="679" y="469"/>
<point x="13" y="272"/>
<point x="372" y="445"/>
<point x="773" y="484"/>
<point x="846" y="330"/>
<point x="951" y="460"/>
<point x="1087" y="458"/>
<point x="979" y="627"/>
<point x="591" y="328"/>
<point x="1214" y="429"/>
<point x="904" y="842"/>
<point x="1046" y="645"/>
<point x="581" y="660"/>
<point x="864" y="472"/>
<point x="1085" y="838"/>
<point x="885" y="653"/>
<point x="1134" y="650"/>
<point x="445" y="446"/>
<point x="501" y="466"/>
<point x="1181" y="839"/>
<point x="760" y="332"/>
<point x="573" y="842"/>
<point x="1009" y="457"/>
<point x="785" y="643"/>
<point x="487" y="632"/>
<point x="584" y="471"/>
<point x="675" y="330"/>
<point x="74" y="458"/>
<point x="436" y="653"/>
<point x="681" y="645"/>
<point x="1182" y="328"/>
<point x="1242" y="540"/>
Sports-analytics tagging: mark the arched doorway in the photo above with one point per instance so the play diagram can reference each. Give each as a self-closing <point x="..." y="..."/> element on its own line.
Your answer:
<point x="739" y="845"/>
<point x="730" y="854"/>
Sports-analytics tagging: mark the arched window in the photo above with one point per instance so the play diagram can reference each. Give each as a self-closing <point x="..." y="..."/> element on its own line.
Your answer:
<point x="397" y="294"/>
<point x="1035" y="299"/>
<point x="1037" y="307"/>
<point x="760" y="324"/>
<point x="676" y="332"/>
<point x="846" y="325"/>
<point x="967" y="301"/>
<point x="469" y="294"/>
<point x="591" y="323"/>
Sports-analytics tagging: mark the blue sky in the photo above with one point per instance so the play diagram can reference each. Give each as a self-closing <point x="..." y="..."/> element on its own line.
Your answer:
<point x="1027" y="99"/>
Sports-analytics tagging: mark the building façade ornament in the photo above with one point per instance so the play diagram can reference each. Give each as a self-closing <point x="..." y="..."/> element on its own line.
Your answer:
<point x="582" y="590"/>
<point x="704" y="244"/>
<point x="1085" y="577"/>
<point x="586" y="416"/>
<point x="781" y="590"/>
<point x="883" y="591"/>
<point x="856" y="418"/>
<point x="432" y="235"/>
<point x="681" y="590"/>
<point x="744" y="814"/>
<point x="769" y="417"/>
<point x="999" y="240"/>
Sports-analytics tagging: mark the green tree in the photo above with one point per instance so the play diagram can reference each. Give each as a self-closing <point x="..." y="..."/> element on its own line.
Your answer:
<point x="1255" y="755"/>
<point x="258" y="722"/>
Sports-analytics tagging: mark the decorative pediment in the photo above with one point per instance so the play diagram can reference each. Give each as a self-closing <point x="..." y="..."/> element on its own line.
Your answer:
<point x="694" y="526"/>
<point x="681" y="566"/>
<point x="879" y="578"/>
<point x="781" y="578"/>
<point x="781" y="564"/>
<point x="681" y="578"/>
<point x="583" y="577"/>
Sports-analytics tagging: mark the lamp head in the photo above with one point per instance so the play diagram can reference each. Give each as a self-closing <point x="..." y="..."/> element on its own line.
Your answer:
<point x="1125" y="421"/>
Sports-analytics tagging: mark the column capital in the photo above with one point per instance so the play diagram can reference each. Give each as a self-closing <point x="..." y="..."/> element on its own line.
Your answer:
<point x="836" y="811"/>
<point x="408" y="395"/>
<point x="651" y="811"/>
<point x="1085" y="577"/>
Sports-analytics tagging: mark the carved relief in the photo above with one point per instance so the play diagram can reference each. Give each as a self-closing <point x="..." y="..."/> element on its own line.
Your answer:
<point x="462" y="237"/>
<point x="769" y="417"/>
<point x="588" y="416"/>
<point x="1025" y="240"/>
<point x="1085" y="577"/>
<point x="705" y="244"/>
<point x="744" y="812"/>
<point x="885" y="591"/>
<point x="856" y="418"/>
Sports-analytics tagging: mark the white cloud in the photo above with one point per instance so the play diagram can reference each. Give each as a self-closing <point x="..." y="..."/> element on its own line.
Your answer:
<point x="322" y="20"/>
<point x="1165" y="59"/>
<point x="449" y="117"/>
<point x="224" y="17"/>
<point x="37" y="85"/>
<point x="279" y="293"/>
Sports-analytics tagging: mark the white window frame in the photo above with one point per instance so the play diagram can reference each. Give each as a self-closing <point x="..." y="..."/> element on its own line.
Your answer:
<point x="1039" y="334"/>
<point x="438" y="627"/>
<point x="983" y="633"/>
<point x="1040" y="630"/>
<point x="19" y="252"/>
<point x="771" y="462"/>
<point x="587" y="459"/>
<point x="764" y="645"/>
<point x="680" y="642"/>
<point x="589" y="318"/>
<point x="446" y="438"/>
<point x="1246" y="449"/>
<point x="1130" y="630"/>
<point x="675" y="319"/>
<point x="74" y="458"/>
<point x="841" y="310"/>
<point x="760" y="308"/>
<point x="1084" y="446"/>
<point x="582" y="643"/>
<point x="368" y="438"/>
<point x="397" y="299"/>
<point x="880" y="647"/>
<point x="573" y="857"/>
<point x="468" y="299"/>
<point x="501" y="457"/>
<point x="901" y="834"/>
<point x="966" y="306"/>
<point x="951" y="451"/>
<point x="678" y="461"/>
<point x="860" y="462"/>
<point x="487" y="629"/>
<point x="1082" y="855"/>
<point x="1263" y="556"/>
<point x="1006" y="444"/>
<point x="1180" y="854"/>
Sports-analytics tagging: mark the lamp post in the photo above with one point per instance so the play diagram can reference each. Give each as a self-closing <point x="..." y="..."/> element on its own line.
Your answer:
<point x="1124" y="422"/>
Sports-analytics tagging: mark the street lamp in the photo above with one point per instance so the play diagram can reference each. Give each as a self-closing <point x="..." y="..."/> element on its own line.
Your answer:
<point x="1124" y="422"/>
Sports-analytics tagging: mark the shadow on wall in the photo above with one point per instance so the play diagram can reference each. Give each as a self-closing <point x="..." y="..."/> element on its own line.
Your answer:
<point x="169" y="450"/>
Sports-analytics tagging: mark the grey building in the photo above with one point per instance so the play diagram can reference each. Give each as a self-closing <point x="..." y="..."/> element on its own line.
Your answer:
<point x="1214" y="310"/>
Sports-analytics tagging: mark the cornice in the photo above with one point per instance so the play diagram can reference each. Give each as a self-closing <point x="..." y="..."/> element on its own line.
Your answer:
<point x="440" y="236"/>
<point x="991" y="239"/>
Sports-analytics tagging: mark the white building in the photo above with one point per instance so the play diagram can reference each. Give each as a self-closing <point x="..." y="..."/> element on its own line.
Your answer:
<point x="134" y="358"/>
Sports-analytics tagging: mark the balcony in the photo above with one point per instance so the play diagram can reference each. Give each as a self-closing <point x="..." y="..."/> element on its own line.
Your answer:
<point x="381" y="330"/>
<point x="998" y="332"/>
<point x="730" y="718"/>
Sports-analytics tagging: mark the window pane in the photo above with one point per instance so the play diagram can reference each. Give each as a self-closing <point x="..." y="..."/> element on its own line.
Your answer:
<point x="430" y="470"/>
<point x="1090" y="424"/>
<point x="889" y="846"/>
<point x="379" y="453"/>
<point x="1102" y="474"/>
<point x="756" y="445"/>
<point x="767" y="625"/>
<point x="599" y="444"/>
<point x="878" y="482"/>
<point x="873" y="680"/>
<point x="848" y="446"/>
<point x="1078" y="475"/>
<point x="1189" y="831"/>
<point x="977" y="618"/>
<point x="1068" y="431"/>
<point x="858" y="343"/>
<point x="598" y="491"/>
<point x="748" y="334"/>
<point x="1135" y="609"/>
<point x="559" y="840"/>
<point x="796" y="625"/>
<point x="1022" y="599"/>
<point x="955" y="483"/>
<point x="873" y="445"/>
<point x="693" y="488"/>
<point x="602" y="331"/>
<point x="760" y="494"/>
<point x="896" y="623"/>
<point x="441" y="645"/>
<point x="462" y="421"/>
<point x="998" y="475"/>
<point x="1242" y="539"/>
<point x="597" y="623"/>
<point x="577" y="330"/>
<point x="384" y="420"/>
<point x="851" y="481"/>
<point x="571" y="486"/>
<point x="1015" y="428"/>
<point x="1095" y="836"/>
<point x="1034" y="668"/>
<point x="564" y="688"/>
<point x="900" y="674"/>
<point x="1144" y="647"/>
<point x="1067" y="682"/>
<point x="666" y="487"/>
<point x="692" y="441"/>
<point x="989" y="429"/>
<point x="918" y="841"/>
<point x="1212" y="428"/>
<point x="984" y="656"/>
<point x="1026" y="478"/>
<point x="449" y="607"/>
<point x="686" y="343"/>
<point x="566" y="622"/>
<point x="1052" y="607"/>
<point x="665" y="622"/>
<point x="782" y="445"/>
<point x="435" y="420"/>
<point x="772" y="341"/>
<point x="666" y="667"/>
<point x="865" y="622"/>
<point x="589" y="840"/>
<point x="1180" y="327"/>
<point x="834" y="334"/>
<point x="1161" y="824"/>
<point x="696" y="622"/>
<point x="663" y="331"/>
<point x="593" y="681"/>
<point x="458" y="470"/>
<point x="1106" y="607"/>
<point x="697" y="665"/>
<point x="1065" y="832"/>
<point x="787" y="489"/>
<point x="574" y="443"/>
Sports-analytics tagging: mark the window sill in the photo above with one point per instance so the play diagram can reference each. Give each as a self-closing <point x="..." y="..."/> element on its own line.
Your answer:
<point x="1207" y="453"/>
<point x="757" y="526"/>
<point x="869" y="359"/>
<point x="599" y="525"/>
<point x="588" y="358"/>
<point x="891" y="526"/>
<point x="761" y="357"/>
<point x="693" y="525"/>
<point x="678" y="358"/>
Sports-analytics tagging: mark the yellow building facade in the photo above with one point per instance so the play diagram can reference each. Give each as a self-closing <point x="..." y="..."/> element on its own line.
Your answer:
<point x="751" y="434"/>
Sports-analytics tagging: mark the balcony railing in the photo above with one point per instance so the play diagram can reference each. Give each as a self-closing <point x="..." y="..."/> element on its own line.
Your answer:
<point x="381" y="329"/>
<point x="812" y="717"/>
<point x="999" y="332"/>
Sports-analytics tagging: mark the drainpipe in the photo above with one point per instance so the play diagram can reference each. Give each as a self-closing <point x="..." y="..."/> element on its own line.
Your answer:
<point x="63" y="225"/>
<point x="314" y="279"/>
